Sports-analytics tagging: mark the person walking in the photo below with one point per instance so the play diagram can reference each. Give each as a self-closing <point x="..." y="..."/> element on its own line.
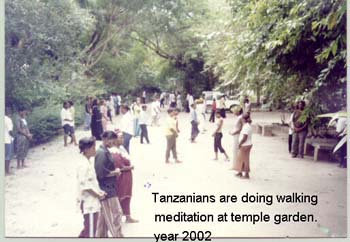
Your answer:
<point x="143" y="124"/>
<point x="155" y="111"/>
<point x="300" y="129"/>
<point x="104" y="113"/>
<point x="245" y="146"/>
<point x="88" y="110"/>
<point x="171" y="133"/>
<point x="218" y="137"/>
<point x="247" y="105"/>
<point x="222" y="107"/>
<point x="213" y="111"/>
<point x="238" y="124"/>
<point x="291" y="130"/>
<point x="9" y="135"/>
<point x="190" y="101"/>
<point x="162" y="99"/>
<point x="111" y="213"/>
<point x="136" y="109"/>
<point x="96" y="120"/>
<point x="179" y="102"/>
<point x="23" y="137"/>
<point x="89" y="192"/>
<point x="127" y="126"/>
<point x="194" y="123"/>
<point x="124" y="180"/>
<point x="67" y="123"/>
<point x="201" y="113"/>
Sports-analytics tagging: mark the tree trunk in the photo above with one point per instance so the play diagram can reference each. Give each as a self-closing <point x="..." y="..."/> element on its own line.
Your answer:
<point x="258" y="95"/>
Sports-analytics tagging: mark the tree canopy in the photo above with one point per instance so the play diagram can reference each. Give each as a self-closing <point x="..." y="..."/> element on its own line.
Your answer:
<point x="67" y="49"/>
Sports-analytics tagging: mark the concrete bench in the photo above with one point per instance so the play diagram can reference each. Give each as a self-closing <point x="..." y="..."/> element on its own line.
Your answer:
<point x="319" y="144"/>
<point x="264" y="129"/>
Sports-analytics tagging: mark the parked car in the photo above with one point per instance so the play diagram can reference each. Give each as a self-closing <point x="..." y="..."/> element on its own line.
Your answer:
<point x="210" y="95"/>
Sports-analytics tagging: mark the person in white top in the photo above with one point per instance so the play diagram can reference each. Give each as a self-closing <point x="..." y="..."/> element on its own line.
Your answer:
<point x="127" y="126"/>
<point x="72" y="110"/>
<point x="341" y="130"/>
<point x="143" y="121"/>
<point x="245" y="145"/>
<point x="67" y="123"/>
<point x="235" y="133"/>
<point x="190" y="101"/>
<point x="89" y="192"/>
<point x="290" y="130"/>
<point x="8" y="128"/>
<point x="218" y="137"/>
<point x="172" y="100"/>
<point x="155" y="111"/>
<point x="144" y="97"/>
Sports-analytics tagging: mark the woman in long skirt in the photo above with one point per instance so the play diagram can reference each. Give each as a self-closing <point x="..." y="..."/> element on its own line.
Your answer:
<point x="104" y="113"/>
<point x="124" y="180"/>
<point x="22" y="139"/>
<point x="245" y="145"/>
<point x="96" y="120"/>
<point x="235" y="133"/>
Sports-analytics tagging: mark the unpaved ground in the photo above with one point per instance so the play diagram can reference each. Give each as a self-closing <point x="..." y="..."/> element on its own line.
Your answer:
<point x="40" y="200"/>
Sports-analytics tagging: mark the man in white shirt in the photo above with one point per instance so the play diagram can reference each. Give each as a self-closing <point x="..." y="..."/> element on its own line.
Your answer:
<point x="143" y="121"/>
<point x="8" y="128"/>
<point x="172" y="100"/>
<point x="155" y="111"/>
<point x="67" y="123"/>
<point x="127" y="126"/>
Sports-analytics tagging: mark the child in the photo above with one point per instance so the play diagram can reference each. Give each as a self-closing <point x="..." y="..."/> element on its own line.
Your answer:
<point x="143" y="120"/>
<point x="218" y="136"/>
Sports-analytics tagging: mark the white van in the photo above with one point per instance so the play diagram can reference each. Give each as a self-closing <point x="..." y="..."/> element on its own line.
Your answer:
<point x="210" y="95"/>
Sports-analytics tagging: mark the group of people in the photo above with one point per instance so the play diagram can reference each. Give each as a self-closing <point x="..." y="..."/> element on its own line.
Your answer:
<point x="104" y="179"/>
<point x="298" y="130"/>
<point x="16" y="136"/>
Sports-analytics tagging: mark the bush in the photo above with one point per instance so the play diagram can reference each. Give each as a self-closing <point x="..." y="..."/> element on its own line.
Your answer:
<point x="45" y="122"/>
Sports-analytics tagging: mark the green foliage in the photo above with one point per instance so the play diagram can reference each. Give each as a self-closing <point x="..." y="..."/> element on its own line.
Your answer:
<point x="45" y="122"/>
<point x="283" y="49"/>
<point x="43" y="43"/>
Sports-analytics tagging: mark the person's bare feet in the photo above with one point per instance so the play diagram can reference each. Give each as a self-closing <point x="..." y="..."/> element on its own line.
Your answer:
<point x="131" y="220"/>
<point x="177" y="161"/>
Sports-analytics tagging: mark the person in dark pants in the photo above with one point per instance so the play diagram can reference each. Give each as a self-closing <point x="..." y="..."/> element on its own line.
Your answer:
<point x="143" y="120"/>
<point x="222" y="106"/>
<point x="218" y="137"/>
<point x="300" y="130"/>
<point x="96" y="120"/>
<point x="127" y="126"/>
<point x="110" y="217"/>
<point x="194" y="123"/>
<point x="213" y="110"/>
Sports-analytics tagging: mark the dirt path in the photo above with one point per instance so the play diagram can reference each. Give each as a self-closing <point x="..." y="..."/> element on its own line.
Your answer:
<point x="40" y="200"/>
